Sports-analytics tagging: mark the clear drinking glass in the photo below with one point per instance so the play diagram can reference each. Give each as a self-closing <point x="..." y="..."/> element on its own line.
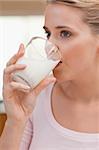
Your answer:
<point x="41" y="56"/>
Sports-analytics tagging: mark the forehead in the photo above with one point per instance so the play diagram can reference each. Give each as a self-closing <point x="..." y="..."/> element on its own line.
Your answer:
<point x="60" y="14"/>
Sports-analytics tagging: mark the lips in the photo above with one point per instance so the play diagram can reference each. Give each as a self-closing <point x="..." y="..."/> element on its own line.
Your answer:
<point x="58" y="64"/>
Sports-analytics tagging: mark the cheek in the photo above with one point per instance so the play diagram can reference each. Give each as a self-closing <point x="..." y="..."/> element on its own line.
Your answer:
<point x="78" y="55"/>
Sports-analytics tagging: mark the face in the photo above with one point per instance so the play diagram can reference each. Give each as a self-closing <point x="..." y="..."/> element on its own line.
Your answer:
<point x="65" y="27"/>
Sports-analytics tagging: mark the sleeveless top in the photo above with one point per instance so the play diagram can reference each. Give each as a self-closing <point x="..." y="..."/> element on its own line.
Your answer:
<point x="43" y="132"/>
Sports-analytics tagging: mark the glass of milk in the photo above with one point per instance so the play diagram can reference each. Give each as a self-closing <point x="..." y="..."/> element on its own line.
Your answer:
<point x="41" y="57"/>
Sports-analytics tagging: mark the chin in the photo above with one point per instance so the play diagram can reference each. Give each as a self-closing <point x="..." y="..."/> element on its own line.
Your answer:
<point x="62" y="75"/>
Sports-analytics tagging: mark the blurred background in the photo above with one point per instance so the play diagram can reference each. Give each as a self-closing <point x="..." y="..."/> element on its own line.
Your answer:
<point x="19" y="21"/>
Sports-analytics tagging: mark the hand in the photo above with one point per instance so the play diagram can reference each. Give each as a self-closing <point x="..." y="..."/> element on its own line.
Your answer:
<point x="19" y="99"/>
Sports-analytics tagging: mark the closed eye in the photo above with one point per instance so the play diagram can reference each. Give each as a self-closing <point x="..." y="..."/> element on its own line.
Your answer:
<point x="47" y="34"/>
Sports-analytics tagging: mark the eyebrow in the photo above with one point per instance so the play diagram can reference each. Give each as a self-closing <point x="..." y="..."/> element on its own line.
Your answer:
<point x="57" y="27"/>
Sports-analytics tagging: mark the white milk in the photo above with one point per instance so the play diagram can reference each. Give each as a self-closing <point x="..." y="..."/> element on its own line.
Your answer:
<point x="35" y="71"/>
<point x="39" y="62"/>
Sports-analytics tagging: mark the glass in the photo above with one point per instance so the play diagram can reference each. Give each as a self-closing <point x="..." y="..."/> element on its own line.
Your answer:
<point x="41" y="57"/>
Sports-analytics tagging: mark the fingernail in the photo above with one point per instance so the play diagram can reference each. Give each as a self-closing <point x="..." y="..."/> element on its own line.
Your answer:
<point x="21" y="49"/>
<point x="26" y="87"/>
<point x="52" y="79"/>
<point x="21" y="45"/>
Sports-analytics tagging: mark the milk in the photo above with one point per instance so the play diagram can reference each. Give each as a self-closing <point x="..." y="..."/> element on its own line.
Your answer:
<point x="35" y="72"/>
<point x="41" y="57"/>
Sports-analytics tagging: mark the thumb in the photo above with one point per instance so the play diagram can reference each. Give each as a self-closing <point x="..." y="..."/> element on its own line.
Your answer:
<point x="48" y="80"/>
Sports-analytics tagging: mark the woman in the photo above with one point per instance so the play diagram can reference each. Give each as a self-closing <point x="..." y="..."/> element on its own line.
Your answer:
<point x="66" y="114"/>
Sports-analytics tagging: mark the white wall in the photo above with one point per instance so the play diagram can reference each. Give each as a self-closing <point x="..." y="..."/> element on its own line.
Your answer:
<point x="13" y="31"/>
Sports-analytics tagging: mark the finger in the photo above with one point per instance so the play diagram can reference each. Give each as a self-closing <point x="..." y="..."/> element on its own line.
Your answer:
<point x="19" y="54"/>
<point x="12" y="69"/>
<point x="19" y="86"/>
<point x="44" y="83"/>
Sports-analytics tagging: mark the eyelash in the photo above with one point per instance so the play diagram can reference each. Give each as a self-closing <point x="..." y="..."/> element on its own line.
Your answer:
<point x="67" y="34"/>
<point x="47" y="34"/>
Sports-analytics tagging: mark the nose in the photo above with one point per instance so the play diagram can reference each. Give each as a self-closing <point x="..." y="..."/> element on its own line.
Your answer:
<point x="52" y="40"/>
<point x="56" y="51"/>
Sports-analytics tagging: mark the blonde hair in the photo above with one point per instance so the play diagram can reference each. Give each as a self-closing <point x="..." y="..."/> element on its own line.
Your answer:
<point x="90" y="9"/>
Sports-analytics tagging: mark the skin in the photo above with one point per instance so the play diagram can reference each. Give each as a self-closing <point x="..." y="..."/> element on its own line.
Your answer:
<point x="78" y="75"/>
<point x="19" y="103"/>
<point x="77" y="79"/>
